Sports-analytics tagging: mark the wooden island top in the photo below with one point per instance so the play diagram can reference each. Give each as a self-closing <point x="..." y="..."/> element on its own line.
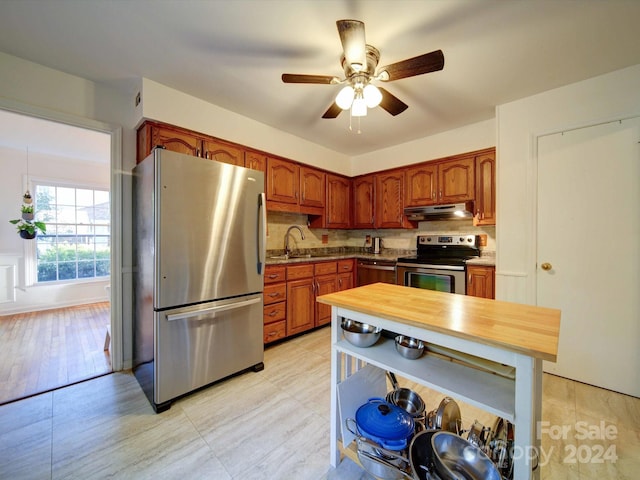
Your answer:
<point x="525" y="329"/>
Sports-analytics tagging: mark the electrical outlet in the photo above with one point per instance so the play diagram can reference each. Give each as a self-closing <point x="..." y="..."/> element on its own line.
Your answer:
<point x="325" y="238"/>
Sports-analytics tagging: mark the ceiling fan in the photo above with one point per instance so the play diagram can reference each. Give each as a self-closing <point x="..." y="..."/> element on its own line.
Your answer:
<point x="359" y="62"/>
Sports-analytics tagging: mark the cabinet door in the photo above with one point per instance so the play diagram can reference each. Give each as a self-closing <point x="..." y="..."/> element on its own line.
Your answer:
<point x="456" y="180"/>
<point x="485" y="201"/>
<point x="345" y="281"/>
<point x="282" y="181"/>
<point x="223" y="152"/>
<point x="389" y="200"/>
<point x="421" y="185"/>
<point x="324" y="284"/>
<point x="363" y="202"/>
<point x="312" y="187"/>
<point x="174" y="139"/>
<point x="300" y="305"/>
<point x="480" y="281"/>
<point x="255" y="161"/>
<point x="338" y="202"/>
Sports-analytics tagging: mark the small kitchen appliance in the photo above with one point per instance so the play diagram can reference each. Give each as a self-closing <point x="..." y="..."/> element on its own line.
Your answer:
<point x="439" y="264"/>
<point x="376" y="245"/>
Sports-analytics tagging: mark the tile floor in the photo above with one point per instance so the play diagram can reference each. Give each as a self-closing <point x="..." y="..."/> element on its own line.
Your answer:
<point x="270" y="425"/>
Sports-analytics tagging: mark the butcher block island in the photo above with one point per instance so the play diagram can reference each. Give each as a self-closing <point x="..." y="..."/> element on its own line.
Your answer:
<point x="510" y="336"/>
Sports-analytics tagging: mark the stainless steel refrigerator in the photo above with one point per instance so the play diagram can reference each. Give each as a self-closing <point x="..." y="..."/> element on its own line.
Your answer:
<point x="199" y="250"/>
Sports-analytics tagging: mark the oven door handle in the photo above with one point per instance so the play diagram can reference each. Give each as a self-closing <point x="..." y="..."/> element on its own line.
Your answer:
<point x="417" y="266"/>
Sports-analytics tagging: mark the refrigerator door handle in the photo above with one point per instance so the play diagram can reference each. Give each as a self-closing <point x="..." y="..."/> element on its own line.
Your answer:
<point x="262" y="232"/>
<point x="219" y="308"/>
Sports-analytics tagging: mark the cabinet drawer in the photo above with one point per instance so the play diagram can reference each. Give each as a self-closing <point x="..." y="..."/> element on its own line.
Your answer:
<point x="324" y="268"/>
<point x="275" y="293"/>
<point x="275" y="273"/>
<point x="274" y="312"/>
<point x="274" y="331"/>
<point x="345" y="266"/>
<point x="295" y="272"/>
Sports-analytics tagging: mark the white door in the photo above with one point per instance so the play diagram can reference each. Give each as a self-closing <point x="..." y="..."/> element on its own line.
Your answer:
<point x="588" y="234"/>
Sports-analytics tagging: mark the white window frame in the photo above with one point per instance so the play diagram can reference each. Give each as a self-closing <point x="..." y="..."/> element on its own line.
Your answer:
<point x="31" y="261"/>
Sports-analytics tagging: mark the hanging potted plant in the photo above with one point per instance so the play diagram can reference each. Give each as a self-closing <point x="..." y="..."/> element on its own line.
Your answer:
<point x="27" y="212"/>
<point x="27" y="229"/>
<point x="26" y="198"/>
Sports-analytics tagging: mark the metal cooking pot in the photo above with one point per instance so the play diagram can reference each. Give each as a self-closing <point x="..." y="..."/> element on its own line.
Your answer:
<point x="406" y="399"/>
<point x="455" y="459"/>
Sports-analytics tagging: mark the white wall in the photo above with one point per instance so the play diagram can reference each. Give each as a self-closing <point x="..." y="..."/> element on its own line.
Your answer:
<point x="588" y="102"/>
<point x="460" y="140"/>
<point x="171" y="106"/>
<point x="34" y="89"/>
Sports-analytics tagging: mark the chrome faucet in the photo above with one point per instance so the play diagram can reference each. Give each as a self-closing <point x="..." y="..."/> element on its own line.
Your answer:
<point x="287" y="250"/>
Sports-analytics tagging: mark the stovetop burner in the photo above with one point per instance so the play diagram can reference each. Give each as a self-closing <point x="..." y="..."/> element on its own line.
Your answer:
<point x="451" y="250"/>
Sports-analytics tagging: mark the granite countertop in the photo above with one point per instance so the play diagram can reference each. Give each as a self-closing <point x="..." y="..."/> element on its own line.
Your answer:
<point x="390" y="255"/>
<point x="318" y="255"/>
<point x="487" y="259"/>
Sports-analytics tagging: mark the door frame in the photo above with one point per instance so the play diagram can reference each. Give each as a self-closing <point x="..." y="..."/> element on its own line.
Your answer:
<point x="115" y="188"/>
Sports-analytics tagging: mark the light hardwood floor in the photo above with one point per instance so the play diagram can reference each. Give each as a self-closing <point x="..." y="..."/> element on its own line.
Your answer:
<point x="52" y="348"/>
<point x="270" y="425"/>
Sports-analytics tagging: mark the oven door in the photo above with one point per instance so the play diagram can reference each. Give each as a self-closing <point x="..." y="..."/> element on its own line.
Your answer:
<point x="442" y="278"/>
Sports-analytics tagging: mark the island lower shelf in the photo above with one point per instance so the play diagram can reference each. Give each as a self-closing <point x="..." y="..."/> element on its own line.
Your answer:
<point x="489" y="391"/>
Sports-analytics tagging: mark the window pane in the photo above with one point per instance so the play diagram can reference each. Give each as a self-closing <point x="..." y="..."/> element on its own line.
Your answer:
<point x="86" y="270"/>
<point x="66" y="270"/>
<point x="46" y="272"/>
<point x="66" y="196"/>
<point x="103" y="268"/>
<point x="84" y="198"/>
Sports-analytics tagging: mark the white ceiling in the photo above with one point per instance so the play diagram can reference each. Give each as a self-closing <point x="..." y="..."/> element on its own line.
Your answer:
<point x="232" y="53"/>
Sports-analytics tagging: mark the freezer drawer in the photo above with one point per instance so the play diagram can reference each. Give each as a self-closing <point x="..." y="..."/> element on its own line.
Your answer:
<point x="198" y="345"/>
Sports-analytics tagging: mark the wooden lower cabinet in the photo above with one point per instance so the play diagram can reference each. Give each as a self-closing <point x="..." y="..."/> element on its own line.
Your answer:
<point x="300" y="305"/>
<point x="274" y="313"/>
<point x="346" y="274"/>
<point x="481" y="281"/>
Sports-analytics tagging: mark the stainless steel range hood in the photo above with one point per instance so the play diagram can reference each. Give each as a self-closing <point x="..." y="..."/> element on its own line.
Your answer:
<point x="453" y="211"/>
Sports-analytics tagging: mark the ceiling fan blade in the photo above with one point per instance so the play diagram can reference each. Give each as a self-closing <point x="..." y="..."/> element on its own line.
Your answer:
<point x="333" y="112"/>
<point x="353" y="41"/>
<point x="429" y="62"/>
<point x="294" y="78"/>
<point x="391" y="103"/>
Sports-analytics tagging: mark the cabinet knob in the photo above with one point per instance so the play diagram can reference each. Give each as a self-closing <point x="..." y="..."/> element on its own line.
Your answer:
<point x="546" y="266"/>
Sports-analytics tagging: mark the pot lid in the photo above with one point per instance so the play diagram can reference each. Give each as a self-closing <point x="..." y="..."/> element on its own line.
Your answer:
<point x="384" y="420"/>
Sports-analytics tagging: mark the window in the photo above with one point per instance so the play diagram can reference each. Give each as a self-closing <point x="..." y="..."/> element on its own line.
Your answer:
<point x="76" y="244"/>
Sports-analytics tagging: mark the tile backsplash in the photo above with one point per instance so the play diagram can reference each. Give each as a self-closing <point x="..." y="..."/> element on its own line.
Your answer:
<point x="278" y="222"/>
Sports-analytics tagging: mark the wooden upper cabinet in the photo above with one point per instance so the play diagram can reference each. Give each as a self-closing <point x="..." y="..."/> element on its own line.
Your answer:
<point x="364" y="201"/>
<point x="456" y="180"/>
<point x="223" y="152"/>
<point x="283" y="180"/>
<point x="338" y="207"/>
<point x="485" y="199"/>
<point x="151" y="135"/>
<point x="312" y="187"/>
<point x="421" y="185"/>
<point x="389" y="207"/>
<point x="255" y="161"/>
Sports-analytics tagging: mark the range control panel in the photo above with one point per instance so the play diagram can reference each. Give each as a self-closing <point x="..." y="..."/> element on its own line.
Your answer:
<point x="466" y="240"/>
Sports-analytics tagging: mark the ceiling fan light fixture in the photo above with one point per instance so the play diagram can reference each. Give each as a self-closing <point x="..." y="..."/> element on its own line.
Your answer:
<point x="345" y="96"/>
<point x="372" y="96"/>
<point x="359" y="106"/>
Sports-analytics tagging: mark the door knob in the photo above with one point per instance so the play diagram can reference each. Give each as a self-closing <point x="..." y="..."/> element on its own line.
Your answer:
<point x="546" y="266"/>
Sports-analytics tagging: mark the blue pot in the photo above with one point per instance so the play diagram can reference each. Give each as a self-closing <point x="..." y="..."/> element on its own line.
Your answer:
<point x="384" y="423"/>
